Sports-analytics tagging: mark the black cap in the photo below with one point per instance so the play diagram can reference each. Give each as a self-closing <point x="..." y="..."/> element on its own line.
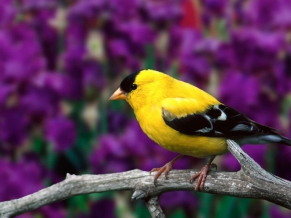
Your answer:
<point x="126" y="84"/>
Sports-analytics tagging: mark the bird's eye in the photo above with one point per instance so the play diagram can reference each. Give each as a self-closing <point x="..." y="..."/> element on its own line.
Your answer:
<point x="133" y="86"/>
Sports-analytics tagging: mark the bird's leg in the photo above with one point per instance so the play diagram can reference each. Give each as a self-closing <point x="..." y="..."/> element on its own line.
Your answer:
<point x="166" y="168"/>
<point x="202" y="175"/>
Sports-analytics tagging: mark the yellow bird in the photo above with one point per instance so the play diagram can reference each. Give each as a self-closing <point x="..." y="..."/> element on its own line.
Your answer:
<point x="184" y="119"/>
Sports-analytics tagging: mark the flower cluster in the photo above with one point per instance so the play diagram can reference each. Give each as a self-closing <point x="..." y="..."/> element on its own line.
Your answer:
<point x="31" y="90"/>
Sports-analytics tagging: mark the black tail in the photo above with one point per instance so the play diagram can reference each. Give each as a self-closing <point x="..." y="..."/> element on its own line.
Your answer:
<point x="285" y="140"/>
<point x="274" y="135"/>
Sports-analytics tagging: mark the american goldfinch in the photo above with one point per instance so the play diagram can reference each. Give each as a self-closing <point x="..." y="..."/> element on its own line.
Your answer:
<point x="184" y="119"/>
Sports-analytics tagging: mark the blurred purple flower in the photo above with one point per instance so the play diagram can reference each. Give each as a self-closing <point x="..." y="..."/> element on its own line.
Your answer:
<point x="120" y="53"/>
<point x="20" y="178"/>
<point x="277" y="13"/>
<point x="282" y="18"/>
<point x="73" y="57"/>
<point x="267" y="111"/>
<point x="55" y="83"/>
<point x="31" y="98"/>
<point x="5" y="91"/>
<point x="5" y="47"/>
<point x="110" y="156"/>
<point x="175" y="40"/>
<point x="61" y="132"/>
<point x="73" y="63"/>
<point x="279" y="80"/>
<point x="189" y="39"/>
<point x="161" y="13"/>
<point x="233" y="82"/>
<point x="225" y="58"/>
<point x="214" y="10"/>
<point x="85" y="11"/>
<point x="137" y="33"/>
<point x="124" y="9"/>
<point x="38" y="4"/>
<point x="256" y="51"/>
<point x="13" y="128"/>
<point x="7" y="13"/>
<point x="254" y="101"/>
<point x="115" y="121"/>
<point x="40" y="20"/>
<point x="75" y="40"/>
<point x="278" y="212"/>
<point x="207" y="46"/>
<point x="83" y="73"/>
<point x="257" y="152"/>
<point x="17" y="66"/>
<point x="197" y="56"/>
<point x="259" y="11"/>
<point x="56" y="211"/>
<point x="93" y="75"/>
<point x="197" y="70"/>
<point x="118" y="48"/>
<point x="178" y="198"/>
<point x="215" y="7"/>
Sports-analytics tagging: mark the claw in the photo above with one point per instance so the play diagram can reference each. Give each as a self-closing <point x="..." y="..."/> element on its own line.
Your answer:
<point x="166" y="169"/>
<point x="194" y="177"/>
<point x="201" y="178"/>
<point x="202" y="175"/>
<point x="154" y="170"/>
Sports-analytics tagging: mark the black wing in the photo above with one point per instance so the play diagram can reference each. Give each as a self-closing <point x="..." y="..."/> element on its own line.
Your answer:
<point x="217" y="121"/>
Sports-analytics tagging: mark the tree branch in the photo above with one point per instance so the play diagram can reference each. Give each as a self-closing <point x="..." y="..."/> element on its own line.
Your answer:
<point x="154" y="207"/>
<point x="250" y="182"/>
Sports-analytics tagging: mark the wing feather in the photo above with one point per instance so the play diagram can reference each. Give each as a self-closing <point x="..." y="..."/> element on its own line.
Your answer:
<point x="217" y="121"/>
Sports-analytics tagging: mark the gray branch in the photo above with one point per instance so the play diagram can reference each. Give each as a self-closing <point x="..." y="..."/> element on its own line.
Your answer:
<point x="154" y="207"/>
<point x="250" y="182"/>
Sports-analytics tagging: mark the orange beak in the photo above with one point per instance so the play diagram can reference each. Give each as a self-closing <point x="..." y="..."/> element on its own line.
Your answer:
<point x="118" y="95"/>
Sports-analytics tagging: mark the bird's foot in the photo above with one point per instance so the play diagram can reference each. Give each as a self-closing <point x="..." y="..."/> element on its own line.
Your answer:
<point x="202" y="176"/>
<point x="165" y="169"/>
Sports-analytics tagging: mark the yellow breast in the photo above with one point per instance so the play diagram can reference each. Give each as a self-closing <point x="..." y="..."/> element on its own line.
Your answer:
<point x="153" y="125"/>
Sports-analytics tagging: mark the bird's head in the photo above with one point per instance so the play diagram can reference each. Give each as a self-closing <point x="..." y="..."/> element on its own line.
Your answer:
<point x="143" y="88"/>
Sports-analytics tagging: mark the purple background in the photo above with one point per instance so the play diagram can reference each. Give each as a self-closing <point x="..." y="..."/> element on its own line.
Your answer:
<point x="61" y="60"/>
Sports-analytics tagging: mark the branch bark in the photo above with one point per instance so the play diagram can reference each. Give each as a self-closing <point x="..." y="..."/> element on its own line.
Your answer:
<point x="154" y="207"/>
<point x="250" y="182"/>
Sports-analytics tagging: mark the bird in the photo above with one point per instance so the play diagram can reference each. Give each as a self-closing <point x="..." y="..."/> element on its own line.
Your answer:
<point x="184" y="119"/>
